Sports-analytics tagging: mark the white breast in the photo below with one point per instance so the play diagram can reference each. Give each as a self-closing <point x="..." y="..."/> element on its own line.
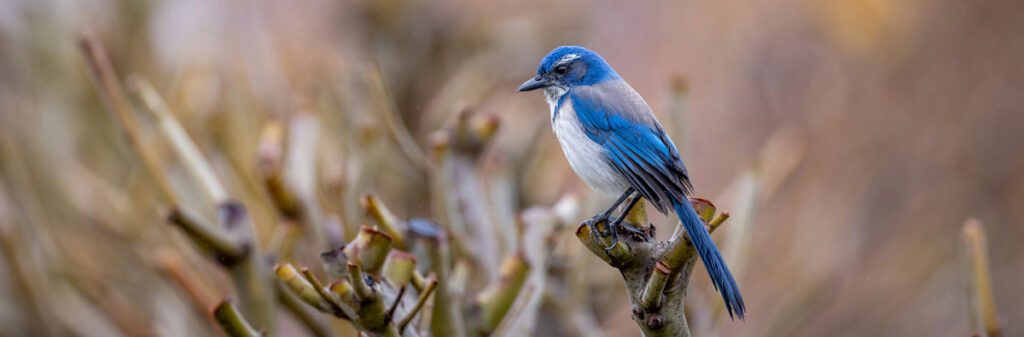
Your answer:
<point x="586" y="157"/>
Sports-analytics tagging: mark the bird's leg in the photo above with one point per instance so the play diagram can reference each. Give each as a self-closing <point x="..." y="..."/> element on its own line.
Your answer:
<point x="608" y="212"/>
<point x="622" y="216"/>
<point x="606" y="215"/>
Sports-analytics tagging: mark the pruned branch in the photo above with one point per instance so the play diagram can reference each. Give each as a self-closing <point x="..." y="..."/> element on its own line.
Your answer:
<point x="232" y="322"/>
<point x="656" y="273"/>
<point x="231" y="236"/>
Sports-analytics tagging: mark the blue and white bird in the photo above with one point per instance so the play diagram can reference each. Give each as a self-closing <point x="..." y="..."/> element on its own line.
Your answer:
<point x="613" y="142"/>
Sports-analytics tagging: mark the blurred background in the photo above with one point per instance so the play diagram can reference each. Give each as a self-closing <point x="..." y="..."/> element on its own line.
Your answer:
<point x="851" y="139"/>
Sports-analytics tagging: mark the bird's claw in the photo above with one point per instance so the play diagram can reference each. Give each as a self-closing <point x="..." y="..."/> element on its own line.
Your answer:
<point x="604" y="231"/>
<point x="636" y="232"/>
<point x="612" y="229"/>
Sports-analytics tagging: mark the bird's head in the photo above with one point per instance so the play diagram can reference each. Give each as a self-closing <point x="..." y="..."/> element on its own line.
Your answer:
<point x="569" y="66"/>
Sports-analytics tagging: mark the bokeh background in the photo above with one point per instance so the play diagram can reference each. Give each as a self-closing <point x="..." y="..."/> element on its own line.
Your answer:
<point x="869" y="131"/>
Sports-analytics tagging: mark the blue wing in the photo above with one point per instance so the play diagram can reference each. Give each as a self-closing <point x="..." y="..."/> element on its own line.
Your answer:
<point x="615" y="116"/>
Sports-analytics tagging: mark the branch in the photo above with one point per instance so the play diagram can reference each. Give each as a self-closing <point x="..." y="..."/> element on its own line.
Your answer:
<point x="301" y="287"/>
<point x="494" y="302"/>
<point x="656" y="273"/>
<point x="271" y="166"/>
<point x="232" y="322"/>
<point x="384" y="218"/>
<point x="369" y="249"/>
<point x="419" y="304"/>
<point x="675" y="256"/>
<point x="183" y="145"/>
<point x="460" y="186"/>
<point x="204" y="232"/>
<point x="248" y="271"/>
<point x="399" y="268"/>
<point x="385" y="104"/>
<point x="984" y="317"/>
<point x="107" y="83"/>
<point x="310" y="318"/>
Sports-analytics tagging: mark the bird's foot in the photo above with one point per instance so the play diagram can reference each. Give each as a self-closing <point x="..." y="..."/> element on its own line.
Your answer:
<point x="601" y="225"/>
<point x="606" y="227"/>
<point x="618" y="227"/>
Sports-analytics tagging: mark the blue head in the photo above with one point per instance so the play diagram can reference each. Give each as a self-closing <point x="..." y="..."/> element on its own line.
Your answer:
<point x="569" y="66"/>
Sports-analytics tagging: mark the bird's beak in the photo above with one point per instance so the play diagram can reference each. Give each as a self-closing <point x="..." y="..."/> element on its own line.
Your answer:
<point x="534" y="83"/>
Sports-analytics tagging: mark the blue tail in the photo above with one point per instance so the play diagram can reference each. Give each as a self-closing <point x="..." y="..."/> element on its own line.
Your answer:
<point x="712" y="259"/>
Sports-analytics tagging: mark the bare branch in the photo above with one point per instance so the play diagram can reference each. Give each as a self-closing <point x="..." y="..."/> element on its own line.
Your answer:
<point x="232" y="322"/>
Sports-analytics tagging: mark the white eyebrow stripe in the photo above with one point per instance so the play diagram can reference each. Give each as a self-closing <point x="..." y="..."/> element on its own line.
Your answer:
<point x="566" y="59"/>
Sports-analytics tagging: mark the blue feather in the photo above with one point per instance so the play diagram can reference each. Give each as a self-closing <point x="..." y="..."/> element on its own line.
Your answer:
<point x="721" y="278"/>
<point x="613" y="115"/>
<point x="616" y="121"/>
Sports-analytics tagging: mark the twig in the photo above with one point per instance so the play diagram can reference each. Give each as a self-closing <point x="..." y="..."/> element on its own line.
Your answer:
<point x="248" y="273"/>
<point x="369" y="249"/>
<point x="981" y="297"/>
<point x="232" y="322"/>
<point x="494" y="301"/>
<point x="205" y="232"/>
<point x="339" y="307"/>
<point x="170" y="263"/>
<point x="301" y="287"/>
<point x="358" y="281"/>
<point x="111" y="93"/>
<point x="424" y="295"/>
<point x="447" y="317"/>
<point x="181" y="142"/>
<point x="310" y="318"/>
<point x="504" y="328"/>
<point x="396" y="302"/>
<point x="386" y="105"/>
<point x="384" y="218"/>
<point x="399" y="268"/>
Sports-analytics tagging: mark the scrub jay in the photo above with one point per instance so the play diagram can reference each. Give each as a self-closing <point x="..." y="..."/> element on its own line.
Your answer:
<point x="613" y="142"/>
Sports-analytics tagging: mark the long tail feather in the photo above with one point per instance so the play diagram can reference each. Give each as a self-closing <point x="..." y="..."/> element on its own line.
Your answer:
<point x="712" y="259"/>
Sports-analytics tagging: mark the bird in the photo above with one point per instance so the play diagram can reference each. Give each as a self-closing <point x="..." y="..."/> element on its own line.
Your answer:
<point x="614" y="143"/>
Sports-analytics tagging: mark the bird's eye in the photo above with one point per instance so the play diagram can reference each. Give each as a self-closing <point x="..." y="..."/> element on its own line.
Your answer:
<point x="561" y="70"/>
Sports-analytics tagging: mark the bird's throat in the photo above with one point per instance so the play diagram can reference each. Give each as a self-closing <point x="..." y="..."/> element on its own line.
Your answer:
<point x="552" y="94"/>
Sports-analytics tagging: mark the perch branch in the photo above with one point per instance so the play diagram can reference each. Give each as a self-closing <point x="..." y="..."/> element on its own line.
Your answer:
<point x="656" y="274"/>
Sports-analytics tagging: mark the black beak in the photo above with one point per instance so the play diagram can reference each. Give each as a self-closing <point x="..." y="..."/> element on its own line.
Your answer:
<point x="534" y="83"/>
